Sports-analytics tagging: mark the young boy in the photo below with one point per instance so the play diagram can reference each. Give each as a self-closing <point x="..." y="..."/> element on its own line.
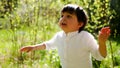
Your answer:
<point x="75" y="46"/>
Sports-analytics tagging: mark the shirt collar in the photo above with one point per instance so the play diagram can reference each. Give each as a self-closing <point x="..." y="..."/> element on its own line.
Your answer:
<point x="70" y="34"/>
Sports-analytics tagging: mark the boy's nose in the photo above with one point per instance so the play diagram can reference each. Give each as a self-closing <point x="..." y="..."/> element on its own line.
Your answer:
<point x="63" y="19"/>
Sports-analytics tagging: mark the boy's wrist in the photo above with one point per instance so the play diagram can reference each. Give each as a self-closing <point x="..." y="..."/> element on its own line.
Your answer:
<point x="39" y="47"/>
<point x="33" y="48"/>
<point x="102" y="42"/>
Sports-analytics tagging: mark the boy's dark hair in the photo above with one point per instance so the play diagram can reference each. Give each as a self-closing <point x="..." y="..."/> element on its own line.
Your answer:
<point x="78" y="11"/>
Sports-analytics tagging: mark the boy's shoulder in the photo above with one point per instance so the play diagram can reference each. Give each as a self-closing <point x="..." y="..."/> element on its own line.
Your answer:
<point x="86" y="34"/>
<point x="60" y="33"/>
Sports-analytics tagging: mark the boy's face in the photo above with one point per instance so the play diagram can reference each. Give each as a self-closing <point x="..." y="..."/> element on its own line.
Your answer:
<point x="69" y="23"/>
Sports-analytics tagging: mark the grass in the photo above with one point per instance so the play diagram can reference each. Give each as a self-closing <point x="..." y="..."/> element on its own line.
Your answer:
<point x="10" y="57"/>
<point x="12" y="41"/>
<point x="38" y="23"/>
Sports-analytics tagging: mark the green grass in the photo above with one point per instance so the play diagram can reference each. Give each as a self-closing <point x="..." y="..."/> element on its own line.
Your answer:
<point x="11" y="42"/>
<point x="33" y="22"/>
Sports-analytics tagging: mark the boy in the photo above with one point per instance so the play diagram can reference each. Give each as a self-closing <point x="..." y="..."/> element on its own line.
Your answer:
<point x="75" y="46"/>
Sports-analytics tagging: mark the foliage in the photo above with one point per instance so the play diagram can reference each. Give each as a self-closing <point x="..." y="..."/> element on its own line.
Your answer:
<point x="29" y="22"/>
<point x="115" y="21"/>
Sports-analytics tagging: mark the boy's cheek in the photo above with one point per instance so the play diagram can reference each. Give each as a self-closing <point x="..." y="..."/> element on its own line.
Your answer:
<point x="59" y="22"/>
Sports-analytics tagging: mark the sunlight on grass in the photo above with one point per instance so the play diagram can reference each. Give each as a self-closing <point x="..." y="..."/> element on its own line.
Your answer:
<point x="29" y="22"/>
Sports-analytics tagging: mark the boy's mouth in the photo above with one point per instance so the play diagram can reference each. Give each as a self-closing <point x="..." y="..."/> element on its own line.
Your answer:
<point x="63" y="23"/>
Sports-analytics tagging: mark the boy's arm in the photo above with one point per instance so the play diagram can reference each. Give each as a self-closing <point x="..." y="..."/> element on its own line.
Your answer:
<point x="40" y="47"/>
<point x="45" y="45"/>
<point x="32" y="48"/>
<point x="103" y="36"/>
<point x="102" y="49"/>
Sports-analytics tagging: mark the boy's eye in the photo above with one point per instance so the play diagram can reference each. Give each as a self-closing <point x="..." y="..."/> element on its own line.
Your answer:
<point x="61" y="15"/>
<point x="68" y="16"/>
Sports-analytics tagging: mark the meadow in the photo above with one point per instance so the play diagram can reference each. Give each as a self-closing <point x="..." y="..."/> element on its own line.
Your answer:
<point x="35" y="21"/>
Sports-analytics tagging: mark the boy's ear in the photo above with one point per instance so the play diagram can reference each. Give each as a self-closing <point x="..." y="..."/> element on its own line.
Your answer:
<point x="80" y="24"/>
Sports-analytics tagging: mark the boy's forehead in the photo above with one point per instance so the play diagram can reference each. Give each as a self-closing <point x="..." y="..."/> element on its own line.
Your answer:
<point x="67" y="13"/>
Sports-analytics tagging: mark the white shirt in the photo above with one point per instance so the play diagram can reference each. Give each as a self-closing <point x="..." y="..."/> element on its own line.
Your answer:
<point x="75" y="49"/>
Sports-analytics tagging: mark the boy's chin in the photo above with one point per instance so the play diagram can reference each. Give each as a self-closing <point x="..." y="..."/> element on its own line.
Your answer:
<point x="64" y="30"/>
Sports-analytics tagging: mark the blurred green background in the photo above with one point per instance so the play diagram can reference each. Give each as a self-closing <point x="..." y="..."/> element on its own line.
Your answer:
<point x="29" y="22"/>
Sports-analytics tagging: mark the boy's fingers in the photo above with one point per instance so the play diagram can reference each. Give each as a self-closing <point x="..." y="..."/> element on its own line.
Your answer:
<point x="108" y="31"/>
<point x="26" y="49"/>
<point x="23" y="49"/>
<point x="105" y="30"/>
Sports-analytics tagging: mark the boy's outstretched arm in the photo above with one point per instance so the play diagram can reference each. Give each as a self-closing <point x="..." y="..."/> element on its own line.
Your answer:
<point x="32" y="48"/>
<point x="102" y="38"/>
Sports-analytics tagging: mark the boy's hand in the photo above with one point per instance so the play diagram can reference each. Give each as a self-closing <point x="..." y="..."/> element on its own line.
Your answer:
<point x="104" y="34"/>
<point x="27" y="49"/>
